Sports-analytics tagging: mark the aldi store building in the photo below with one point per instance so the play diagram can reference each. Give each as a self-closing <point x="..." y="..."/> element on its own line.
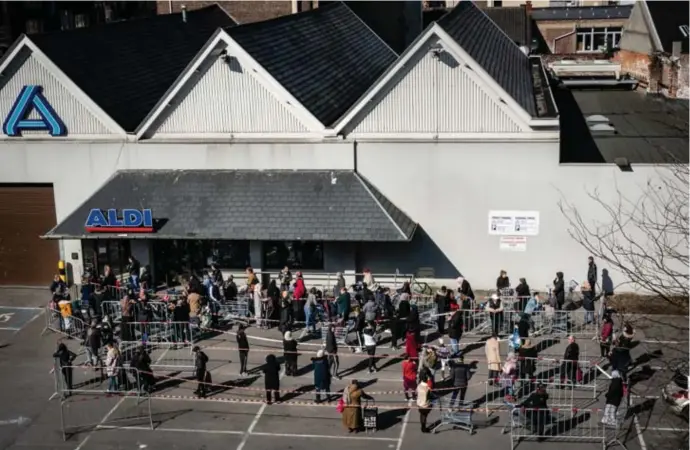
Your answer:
<point x="325" y="153"/>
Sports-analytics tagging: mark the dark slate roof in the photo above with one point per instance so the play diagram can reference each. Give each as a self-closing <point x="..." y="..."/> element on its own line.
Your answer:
<point x="648" y="129"/>
<point x="326" y="58"/>
<point x="513" y="21"/>
<point x="256" y="205"/>
<point x="582" y="13"/>
<point x="126" y="67"/>
<point x="668" y="18"/>
<point x="493" y="50"/>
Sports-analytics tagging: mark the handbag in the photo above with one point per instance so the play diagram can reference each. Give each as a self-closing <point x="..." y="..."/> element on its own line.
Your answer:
<point x="578" y="375"/>
<point x="340" y="406"/>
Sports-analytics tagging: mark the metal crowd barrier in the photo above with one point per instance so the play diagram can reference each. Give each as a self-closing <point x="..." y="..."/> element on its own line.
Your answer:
<point x="576" y="374"/>
<point x="159" y="332"/>
<point x="505" y="392"/>
<point x="165" y="356"/>
<point x="70" y="326"/>
<point x="342" y="332"/>
<point x="235" y="310"/>
<point x="75" y="384"/>
<point x="565" y="425"/>
<point x="113" y="309"/>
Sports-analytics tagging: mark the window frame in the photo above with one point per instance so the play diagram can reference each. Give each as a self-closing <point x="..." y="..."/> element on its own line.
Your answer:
<point x="588" y="37"/>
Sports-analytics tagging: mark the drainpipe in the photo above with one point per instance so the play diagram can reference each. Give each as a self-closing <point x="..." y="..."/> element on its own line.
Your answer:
<point x="169" y="6"/>
<point x="184" y="13"/>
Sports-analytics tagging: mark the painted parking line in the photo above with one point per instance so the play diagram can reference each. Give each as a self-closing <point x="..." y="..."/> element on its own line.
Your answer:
<point x="172" y="430"/>
<point x="14" y="318"/>
<point x="325" y="436"/>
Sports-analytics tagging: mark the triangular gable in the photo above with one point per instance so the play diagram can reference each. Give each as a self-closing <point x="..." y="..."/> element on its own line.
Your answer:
<point x="225" y="92"/>
<point x="434" y="88"/>
<point x="34" y="91"/>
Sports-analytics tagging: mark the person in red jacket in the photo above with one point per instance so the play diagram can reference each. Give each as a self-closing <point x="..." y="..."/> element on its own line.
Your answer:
<point x="409" y="373"/>
<point x="606" y="336"/>
<point x="411" y="346"/>
<point x="300" y="289"/>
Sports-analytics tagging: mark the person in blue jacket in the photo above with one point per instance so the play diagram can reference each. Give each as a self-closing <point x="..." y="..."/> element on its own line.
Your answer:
<point x="322" y="376"/>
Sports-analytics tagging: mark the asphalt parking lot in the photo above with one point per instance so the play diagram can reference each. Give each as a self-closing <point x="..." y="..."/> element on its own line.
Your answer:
<point x="235" y="417"/>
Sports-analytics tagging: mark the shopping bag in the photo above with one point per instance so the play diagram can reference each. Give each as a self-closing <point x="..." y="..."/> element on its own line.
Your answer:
<point x="578" y="375"/>
<point x="340" y="406"/>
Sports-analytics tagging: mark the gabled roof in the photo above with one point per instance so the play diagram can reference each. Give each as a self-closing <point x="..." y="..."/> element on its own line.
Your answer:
<point x="326" y="58"/>
<point x="125" y="67"/>
<point x="493" y="50"/>
<point x="514" y="22"/>
<point x="320" y="205"/>
<point x="668" y="17"/>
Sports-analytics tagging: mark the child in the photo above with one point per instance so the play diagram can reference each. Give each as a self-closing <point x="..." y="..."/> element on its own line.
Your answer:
<point x="508" y="376"/>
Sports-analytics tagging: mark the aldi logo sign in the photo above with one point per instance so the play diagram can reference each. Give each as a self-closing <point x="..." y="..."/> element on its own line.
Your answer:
<point x="124" y="221"/>
<point x="31" y="99"/>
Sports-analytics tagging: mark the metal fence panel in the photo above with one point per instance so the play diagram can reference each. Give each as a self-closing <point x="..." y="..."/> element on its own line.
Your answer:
<point x="563" y="425"/>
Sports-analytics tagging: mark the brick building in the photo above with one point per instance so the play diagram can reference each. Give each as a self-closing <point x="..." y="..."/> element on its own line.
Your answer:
<point x="581" y="30"/>
<point x="396" y="22"/>
<point x="242" y="11"/>
<point x="654" y="48"/>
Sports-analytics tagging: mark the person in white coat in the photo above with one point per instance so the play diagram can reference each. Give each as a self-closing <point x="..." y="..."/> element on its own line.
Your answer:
<point x="257" y="304"/>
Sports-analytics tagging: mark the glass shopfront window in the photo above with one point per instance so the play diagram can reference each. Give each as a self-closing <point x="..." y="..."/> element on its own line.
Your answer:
<point x="294" y="254"/>
<point x="98" y="253"/>
<point x="175" y="258"/>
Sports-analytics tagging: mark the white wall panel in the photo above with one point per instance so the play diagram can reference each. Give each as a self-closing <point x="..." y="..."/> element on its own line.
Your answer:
<point x="436" y="95"/>
<point x="449" y="190"/>
<point x="228" y="98"/>
<point x="26" y="70"/>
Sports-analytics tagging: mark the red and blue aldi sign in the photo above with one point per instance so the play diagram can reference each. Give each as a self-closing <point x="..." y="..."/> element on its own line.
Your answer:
<point x="31" y="99"/>
<point x="116" y="221"/>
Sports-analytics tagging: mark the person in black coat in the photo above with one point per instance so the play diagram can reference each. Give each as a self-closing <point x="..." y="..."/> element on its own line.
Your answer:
<point x="559" y="290"/>
<point x="614" y="396"/>
<point x="142" y="362"/>
<point x="464" y="288"/>
<point x="523" y="293"/>
<point x="502" y="282"/>
<point x="271" y="372"/>
<point x="460" y="375"/>
<point x="569" y="367"/>
<point x="332" y="350"/>
<point x="243" y="348"/>
<point x="455" y="328"/>
<point x="404" y="306"/>
<point x="65" y="358"/>
<point x="200" y="360"/>
<point x="285" y="312"/>
<point x="441" y="300"/>
<point x="290" y="354"/>
<point x="230" y="290"/>
<point x="592" y="274"/>
<point x="528" y="356"/>
<point x="537" y="410"/>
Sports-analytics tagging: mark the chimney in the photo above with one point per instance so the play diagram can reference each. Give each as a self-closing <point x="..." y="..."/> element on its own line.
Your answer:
<point x="184" y="13"/>
<point x="675" y="51"/>
<point x="528" y="7"/>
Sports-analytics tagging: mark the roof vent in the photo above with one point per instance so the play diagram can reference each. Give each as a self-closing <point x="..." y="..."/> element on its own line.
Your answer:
<point x="597" y="119"/>
<point x="602" y="129"/>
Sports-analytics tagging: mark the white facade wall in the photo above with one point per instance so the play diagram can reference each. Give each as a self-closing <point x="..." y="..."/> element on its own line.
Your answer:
<point x="449" y="189"/>
<point x="78" y="169"/>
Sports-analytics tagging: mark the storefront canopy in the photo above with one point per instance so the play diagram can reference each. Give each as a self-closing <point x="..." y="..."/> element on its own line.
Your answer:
<point x="237" y="205"/>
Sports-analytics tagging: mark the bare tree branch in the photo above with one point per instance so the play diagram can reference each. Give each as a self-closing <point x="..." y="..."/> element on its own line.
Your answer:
<point x="645" y="238"/>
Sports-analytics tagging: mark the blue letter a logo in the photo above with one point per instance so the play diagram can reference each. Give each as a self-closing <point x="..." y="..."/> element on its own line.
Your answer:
<point x="30" y="98"/>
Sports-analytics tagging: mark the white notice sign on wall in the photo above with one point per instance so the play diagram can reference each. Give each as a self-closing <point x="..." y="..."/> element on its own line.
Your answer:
<point x="514" y="223"/>
<point x="513" y="243"/>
